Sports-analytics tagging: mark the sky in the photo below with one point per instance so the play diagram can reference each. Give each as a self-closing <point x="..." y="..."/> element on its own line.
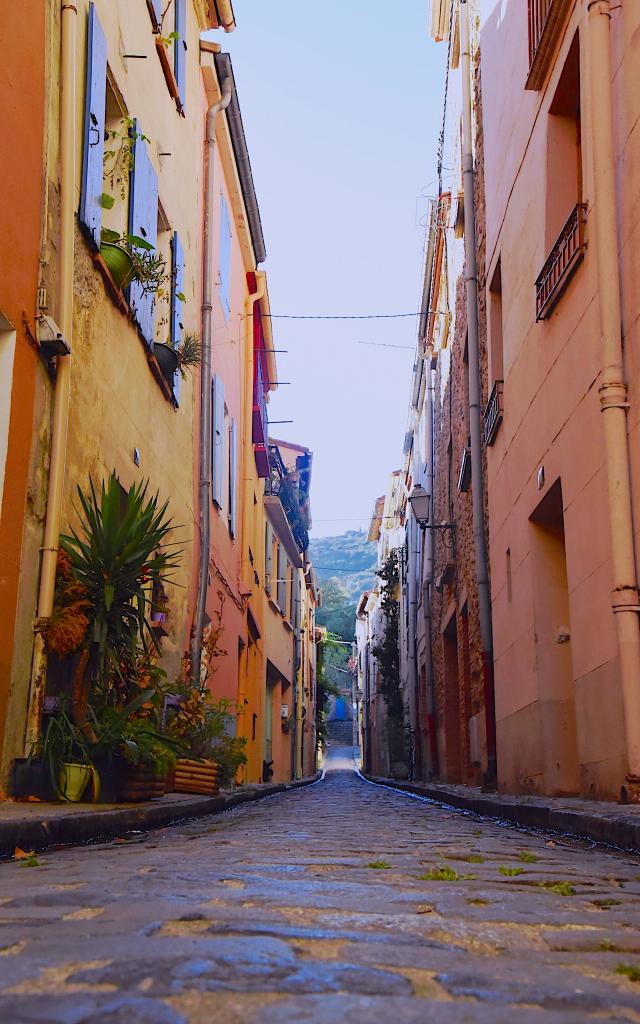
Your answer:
<point x="342" y="118"/>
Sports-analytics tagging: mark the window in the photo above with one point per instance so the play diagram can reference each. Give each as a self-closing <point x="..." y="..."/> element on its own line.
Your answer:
<point x="217" y="441"/>
<point x="565" y="213"/>
<point x="283" y="572"/>
<point x="496" y="364"/>
<point x="177" y="298"/>
<point x="162" y="331"/>
<point x="233" y="458"/>
<point x="564" y="148"/>
<point x="268" y="556"/>
<point x="7" y="352"/>
<point x="119" y="183"/>
<point x="169" y="20"/>
<point x="225" y="258"/>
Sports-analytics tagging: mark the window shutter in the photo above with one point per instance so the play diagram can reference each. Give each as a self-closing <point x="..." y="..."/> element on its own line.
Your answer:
<point x="217" y="440"/>
<point x="282" y="580"/>
<point x="177" y="287"/>
<point x="225" y="257"/>
<point x="268" y="556"/>
<point x="143" y="221"/>
<point x="233" y="458"/>
<point x="180" y="51"/>
<point x="94" y="120"/>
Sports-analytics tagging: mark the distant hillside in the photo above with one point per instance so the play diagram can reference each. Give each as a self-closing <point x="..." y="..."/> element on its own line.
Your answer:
<point x="345" y="566"/>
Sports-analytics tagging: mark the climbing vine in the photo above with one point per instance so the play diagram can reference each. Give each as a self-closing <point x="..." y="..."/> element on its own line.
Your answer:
<point x="387" y="649"/>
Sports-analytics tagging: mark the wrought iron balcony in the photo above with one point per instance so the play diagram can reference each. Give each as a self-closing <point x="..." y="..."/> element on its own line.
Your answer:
<point x="546" y="19"/>
<point x="493" y="413"/>
<point x="562" y="262"/>
<point x="281" y="485"/>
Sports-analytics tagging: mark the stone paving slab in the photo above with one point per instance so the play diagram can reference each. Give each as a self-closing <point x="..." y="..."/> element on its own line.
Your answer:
<point x="615" y="825"/>
<point x="342" y="901"/>
<point x="37" y="826"/>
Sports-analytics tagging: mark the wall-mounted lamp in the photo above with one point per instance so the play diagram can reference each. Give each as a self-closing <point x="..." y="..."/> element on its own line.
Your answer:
<point x="420" y="501"/>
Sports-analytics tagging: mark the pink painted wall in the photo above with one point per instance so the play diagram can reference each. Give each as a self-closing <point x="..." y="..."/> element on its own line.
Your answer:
<point x="552" y="417"/>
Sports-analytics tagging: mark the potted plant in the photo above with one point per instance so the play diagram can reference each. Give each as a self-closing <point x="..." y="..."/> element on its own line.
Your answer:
<point x="130" y="257"/>
<point x="184" y="357"/>
<point x="64" y="750"/>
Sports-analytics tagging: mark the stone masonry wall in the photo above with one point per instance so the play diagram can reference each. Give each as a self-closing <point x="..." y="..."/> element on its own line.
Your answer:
<point x="456" y="645"/>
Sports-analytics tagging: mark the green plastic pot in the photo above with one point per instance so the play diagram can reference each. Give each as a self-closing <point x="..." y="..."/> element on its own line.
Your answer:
<point x="73" y="780"/>
<point x="119" y="263"/>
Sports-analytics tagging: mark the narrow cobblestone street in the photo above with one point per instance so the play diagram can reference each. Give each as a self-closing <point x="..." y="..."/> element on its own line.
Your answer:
<point x="342" y="901"/>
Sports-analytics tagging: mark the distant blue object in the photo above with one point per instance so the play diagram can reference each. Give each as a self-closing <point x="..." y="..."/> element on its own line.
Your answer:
<point x="341" y="709"/>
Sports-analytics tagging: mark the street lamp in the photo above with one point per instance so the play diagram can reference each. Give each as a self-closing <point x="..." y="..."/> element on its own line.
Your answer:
<point x="420" y="501"/>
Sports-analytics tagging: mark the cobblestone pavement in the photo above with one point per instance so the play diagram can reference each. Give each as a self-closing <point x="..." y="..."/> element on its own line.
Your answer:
<point x="339" y="902"/>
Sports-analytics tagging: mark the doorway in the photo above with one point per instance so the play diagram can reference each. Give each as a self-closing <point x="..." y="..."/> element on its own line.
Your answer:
<point x="451" y="760"/>
<point x="552" y="639"/>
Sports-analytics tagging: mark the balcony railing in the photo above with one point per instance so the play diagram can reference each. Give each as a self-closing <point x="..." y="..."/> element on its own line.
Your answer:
<point x="546" y="18"/>
<point x="565" y="256"/>
<point x="280" y="484"/>
<point x="493" y="413"/>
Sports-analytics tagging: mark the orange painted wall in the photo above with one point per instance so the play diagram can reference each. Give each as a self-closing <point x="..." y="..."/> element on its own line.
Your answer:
<point x="22" y="110"/>
<point x="226" y="361"/>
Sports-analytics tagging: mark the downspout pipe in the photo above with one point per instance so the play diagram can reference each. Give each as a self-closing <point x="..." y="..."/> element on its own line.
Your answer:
<point x="427" y="580"/>
<point x="60" y="417"/>
<point x="477" y="474"/>
<point x="204" y="491"/>
<point x="427" y="584"/>
<point x="412" y="595"/>
<point x="613" y="388"/>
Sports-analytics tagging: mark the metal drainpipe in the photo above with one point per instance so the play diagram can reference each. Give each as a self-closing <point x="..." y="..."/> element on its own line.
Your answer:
<point x="471" y="285"/>
<point x="412" y="566"/>
<point x="60" y="418"/>
<point x="613" y="388"/>
<point x="428" y="582"/>
<point x="205" y="382"/>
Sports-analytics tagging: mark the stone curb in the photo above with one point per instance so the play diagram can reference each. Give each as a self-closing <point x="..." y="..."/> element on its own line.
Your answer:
<point x="614" y="829"/>
<point x="73" y="829"/>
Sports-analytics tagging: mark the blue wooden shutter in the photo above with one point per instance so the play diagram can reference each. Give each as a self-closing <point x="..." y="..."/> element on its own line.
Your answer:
<point x="217" y="440"/>
<point x="233" y="458"/>
<point x="94" y="118"/>
<point x="177" y="286"/>
<point x="143" y="221"/>
<point x="225" y="257"/>
<point x="180" y="51"/>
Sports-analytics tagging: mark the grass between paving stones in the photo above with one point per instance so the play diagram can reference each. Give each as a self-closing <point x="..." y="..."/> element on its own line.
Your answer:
<point x="444" y="873"/>
<point x="605" y="904"/>
<point x="379" y="865"/>
<point x="630" y="971"/>
<point x="510" y="872"/>
<point x="528" y="858"/>
<point x="560" y="888"/>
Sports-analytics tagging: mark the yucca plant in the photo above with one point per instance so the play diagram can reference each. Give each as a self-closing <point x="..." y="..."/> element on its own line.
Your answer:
<point x="118" y="553"/>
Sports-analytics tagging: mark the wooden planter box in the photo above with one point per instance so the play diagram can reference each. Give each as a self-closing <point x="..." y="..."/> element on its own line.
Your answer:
<point x="201" y="777"/>
<point x="140" y="783"/>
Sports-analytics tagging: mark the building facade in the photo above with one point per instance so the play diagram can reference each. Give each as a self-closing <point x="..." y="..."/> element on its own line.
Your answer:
<point x="562" y="231"/>
<point x="528" y="330"/>
<point x="135" y="131"/>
